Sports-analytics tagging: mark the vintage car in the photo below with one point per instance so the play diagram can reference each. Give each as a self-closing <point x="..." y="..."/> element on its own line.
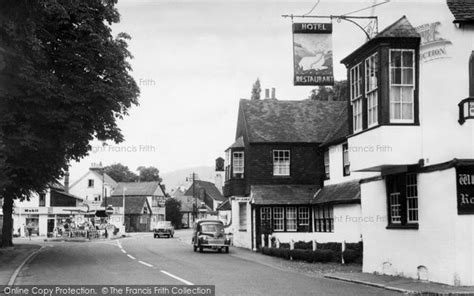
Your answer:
<point x="163" y="228"/>
<point x="209" y="234"/>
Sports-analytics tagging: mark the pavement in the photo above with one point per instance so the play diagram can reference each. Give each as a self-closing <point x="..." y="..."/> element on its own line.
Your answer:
<point x="401" y="284"/>
<point x="12" y="258"/>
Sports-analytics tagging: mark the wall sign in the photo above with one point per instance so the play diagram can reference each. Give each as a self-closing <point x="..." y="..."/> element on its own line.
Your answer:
<point x="312" y="54"/>
<point x="465" y="189"/>
<point x="432" y="46"/>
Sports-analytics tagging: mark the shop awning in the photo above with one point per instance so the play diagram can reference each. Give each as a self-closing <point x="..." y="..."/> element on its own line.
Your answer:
<point x="342" y="193"/>
<point x="282" y="194"/>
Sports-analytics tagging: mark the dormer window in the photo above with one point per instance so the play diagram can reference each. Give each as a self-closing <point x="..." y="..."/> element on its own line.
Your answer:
<point x="356" y="96"/>
<point x="402" y="85"/>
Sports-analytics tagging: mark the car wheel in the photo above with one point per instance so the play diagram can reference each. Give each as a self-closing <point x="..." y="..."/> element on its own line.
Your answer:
<point x="195" y="248"/>
<point x="219" y="250"/>
<point x="227" y="250"/>
<point x="201" y="249"/>
<point x="172" y="235"/>
<point x="154" y="236"/>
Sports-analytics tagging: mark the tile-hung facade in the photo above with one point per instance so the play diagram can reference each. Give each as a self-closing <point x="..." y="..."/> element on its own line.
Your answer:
<point x="406" y="84"/>
<point x="275" y="168"/>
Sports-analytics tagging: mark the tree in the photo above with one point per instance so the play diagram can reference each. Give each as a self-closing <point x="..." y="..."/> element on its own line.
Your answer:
<point x="65" y="80"/>
<point x="256" y="90"/>
<point x="120" y="173"/>
<point x="146" y="174"/>
<point x="338" y="92"/>
<point x="173" y="212"/>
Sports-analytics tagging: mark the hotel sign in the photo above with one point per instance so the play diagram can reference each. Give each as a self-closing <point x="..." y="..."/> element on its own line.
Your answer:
<point x="465" y="189"/>
<point x="432" y="45"/>
<point x="312" y="54"/>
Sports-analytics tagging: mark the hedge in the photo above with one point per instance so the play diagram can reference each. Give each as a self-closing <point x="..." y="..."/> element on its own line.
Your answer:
<point x="285" y="245"/>
<point x="353" y="253"/>
<point x="299" y="254"/>
<point x="303" y="245"/>
<point x="335" y="247"/>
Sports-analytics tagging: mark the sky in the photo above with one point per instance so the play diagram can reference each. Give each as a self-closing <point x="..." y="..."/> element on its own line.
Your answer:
<point x="194" y="60"/>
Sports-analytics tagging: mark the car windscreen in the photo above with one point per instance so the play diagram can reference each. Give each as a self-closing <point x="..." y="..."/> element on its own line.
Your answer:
<point x="212" y="228"/>
<point x="164" y="224"/>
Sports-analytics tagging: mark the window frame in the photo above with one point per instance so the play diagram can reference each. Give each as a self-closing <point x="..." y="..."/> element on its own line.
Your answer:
<point x="240" y="166"/>
<point x="90" y="183"/>
<point x="371" y="89"/>
<point x="42" y="200"/>
<point x="401" y="85"/>
<point x="324" y="218"/>
<point x="401" y="190"/>
<point x="345" y="155"/>
<point x="279" y="163"/>
<point x="293" y="218"/>
<point x="243" y="226"/>
<point x="275" y="218"/>
<point x="356" y="91"/>
<point x="327" y="165"/>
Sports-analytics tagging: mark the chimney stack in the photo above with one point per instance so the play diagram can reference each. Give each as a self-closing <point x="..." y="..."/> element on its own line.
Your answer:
<point x="267" y="93"/>
<point x="273" y="93"/>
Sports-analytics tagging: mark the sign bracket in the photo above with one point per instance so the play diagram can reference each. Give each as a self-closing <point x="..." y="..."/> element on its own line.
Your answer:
<point x="351" y="19"/>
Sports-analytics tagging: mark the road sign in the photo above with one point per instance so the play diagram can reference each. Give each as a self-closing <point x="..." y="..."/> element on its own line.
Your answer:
<point x="109" y="210"/>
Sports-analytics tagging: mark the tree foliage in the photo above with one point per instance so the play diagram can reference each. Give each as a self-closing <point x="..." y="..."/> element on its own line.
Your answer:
<point x="65" y="80"/>
<point x="146" y="174"/>
<point x="256" y="90"/>
<point x="120" y="173"/>
<point x="173" y="212"/>
<point x="338" y="92"/>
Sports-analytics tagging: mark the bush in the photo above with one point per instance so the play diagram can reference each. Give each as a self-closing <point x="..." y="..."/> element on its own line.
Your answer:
<point x="304" y="245"/>
<point x="322" y="256"/>
<point x="285" y="246"/>
<point x="351" y="256"/>
<point x="335" y="247"/>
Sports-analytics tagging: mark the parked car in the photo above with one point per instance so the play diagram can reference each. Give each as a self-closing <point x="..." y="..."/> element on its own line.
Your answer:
<point x="163" y="228"/>
<point x="209" y="234"/>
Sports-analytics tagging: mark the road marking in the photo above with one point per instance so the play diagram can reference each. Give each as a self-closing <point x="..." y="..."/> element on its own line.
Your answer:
<point x="131" y="257"/>
<point x="146" y="264"/>
<point x="177" y="278"/>
<point x="123" y="251"/>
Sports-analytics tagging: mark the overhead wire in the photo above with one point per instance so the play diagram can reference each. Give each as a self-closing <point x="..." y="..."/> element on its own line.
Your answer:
<point x="314" y="6"/>
<point x="369" y="7"/>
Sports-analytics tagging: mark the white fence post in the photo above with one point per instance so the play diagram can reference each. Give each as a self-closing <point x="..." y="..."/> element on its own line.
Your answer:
<point x="277" y="243"/>
<point x="269" y="241"/>
<point x="263" y="240"/>
<point x="315" y="244"/>
<point x="292" y="247"/>
<point x="342" y="252"/>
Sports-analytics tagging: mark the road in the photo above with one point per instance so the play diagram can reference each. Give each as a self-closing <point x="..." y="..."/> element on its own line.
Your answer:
<point x="144" y="260"/>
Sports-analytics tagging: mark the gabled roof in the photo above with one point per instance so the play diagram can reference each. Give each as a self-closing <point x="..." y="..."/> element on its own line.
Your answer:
<point x="209" y="188"/>
<point x="225" y="206"/>
<point x="462" y="10"/>
<point x="341" y="193"/>
<point x="283" y="194"/>
<point x="107" y="178"/>
<point x="138" y="189"/>
<point x="239" y="143"/>
<point x="304" y="121"/>
<point x="399" y="29"/>
<point x="133" y="205"/>
<point x="340" y="131"/>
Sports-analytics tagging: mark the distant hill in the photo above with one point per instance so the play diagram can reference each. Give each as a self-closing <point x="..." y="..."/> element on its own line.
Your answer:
<point x="177" y="178"/>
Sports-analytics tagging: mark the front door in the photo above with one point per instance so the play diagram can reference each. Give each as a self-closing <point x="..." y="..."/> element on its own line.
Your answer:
<point x="50" y="225"/>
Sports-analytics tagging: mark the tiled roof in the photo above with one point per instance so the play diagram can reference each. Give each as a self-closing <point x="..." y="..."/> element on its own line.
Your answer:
<point x="107" y="179"/>
<point x="209" y="188"/>
<point x="462" y="10"/>
<point x="138" y="189"/>
<point x="239" y="143"/>
<point x="283" y="194"/>
<point x="340" y="131"/>
<point x="400" y="28"/>
<point x="225" y="206"/>
<point x="305" y="121"/>
<point x="347" y="192"/>
<point x="133" y="205"/>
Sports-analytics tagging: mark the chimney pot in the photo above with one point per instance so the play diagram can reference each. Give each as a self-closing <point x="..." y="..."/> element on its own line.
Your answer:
<point x="273" y="93"/>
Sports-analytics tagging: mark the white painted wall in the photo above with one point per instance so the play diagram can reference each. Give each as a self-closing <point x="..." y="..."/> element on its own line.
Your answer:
<point x="347" y="227"/>
<point x="443" y="243"/>
<point x="336" y="170"/>
<point x="241" y="238"/>
<point x="81" y="188"/>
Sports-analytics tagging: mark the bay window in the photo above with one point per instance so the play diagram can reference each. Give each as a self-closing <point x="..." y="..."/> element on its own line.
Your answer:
<point x="356" y="97"/>
<point x="288" y="218"/>
<point x="371" y="86"/>
<point x="402" y="85"/>
<point x="281" y="162"/>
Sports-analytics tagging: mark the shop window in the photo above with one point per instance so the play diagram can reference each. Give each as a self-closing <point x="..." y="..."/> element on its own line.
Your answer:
<point x="291" y="219"/>
<point x="243" y="216"/>
<point x="402" y="194"/>
<point x="326" y="165"/>
<point x="371" y="86"/>
<point x="402" y="85"/>
<point x="42" y="199"/>
<point x="90" y="183"/>
<point x="281" y="162"/>
<point x="238" y="165"/>
<point x="278" y="219"/>
<point x="324" y="219"/>
<point x="356" y="97"/>
<point x="346" y="165"/>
